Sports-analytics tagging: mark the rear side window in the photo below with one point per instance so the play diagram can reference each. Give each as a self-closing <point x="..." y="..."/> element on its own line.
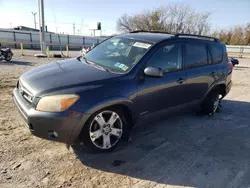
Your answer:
<point x="196" y="55"/>
<point x="216" y="53"/>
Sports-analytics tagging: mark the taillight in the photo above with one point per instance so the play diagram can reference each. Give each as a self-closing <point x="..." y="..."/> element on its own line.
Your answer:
<point x="230" y="65"/>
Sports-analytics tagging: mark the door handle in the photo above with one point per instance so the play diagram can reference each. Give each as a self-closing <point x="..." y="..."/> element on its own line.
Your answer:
<point x="180" y="80"/>
<point x="212" y="74"/>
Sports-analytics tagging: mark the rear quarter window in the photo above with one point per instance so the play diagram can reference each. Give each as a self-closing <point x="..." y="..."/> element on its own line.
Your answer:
<point x="216" y="51"/>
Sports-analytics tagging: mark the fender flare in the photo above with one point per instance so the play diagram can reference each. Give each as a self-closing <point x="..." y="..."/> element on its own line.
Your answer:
<point x="212" y="88"/>
<point x="101" y="105"/>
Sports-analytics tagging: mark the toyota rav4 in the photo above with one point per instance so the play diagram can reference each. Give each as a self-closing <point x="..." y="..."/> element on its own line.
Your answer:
<point x="99" y="97"/>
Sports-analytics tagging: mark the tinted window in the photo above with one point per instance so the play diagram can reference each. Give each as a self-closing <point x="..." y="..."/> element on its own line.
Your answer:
<point x="196" y="55"/>
<point x="216" y="53"/>
<point x="168" y="57"/>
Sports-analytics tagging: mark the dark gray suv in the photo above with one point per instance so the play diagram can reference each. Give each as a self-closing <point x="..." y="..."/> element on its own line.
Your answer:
<point x="98" y="98"/>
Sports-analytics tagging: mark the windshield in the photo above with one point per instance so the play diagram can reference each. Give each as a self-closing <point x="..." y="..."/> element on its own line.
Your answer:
<point x="118" y="54"/>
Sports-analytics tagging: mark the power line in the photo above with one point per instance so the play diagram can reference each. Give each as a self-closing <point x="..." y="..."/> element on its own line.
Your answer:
<point x="77" y="25"/>
<point x="66" y="23"/>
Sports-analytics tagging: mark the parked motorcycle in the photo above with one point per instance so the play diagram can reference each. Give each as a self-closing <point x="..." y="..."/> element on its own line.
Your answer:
<point x="5" y="53"/>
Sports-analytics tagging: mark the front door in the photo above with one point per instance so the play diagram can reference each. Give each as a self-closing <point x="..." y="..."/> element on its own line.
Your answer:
<point x="167" y="91"/>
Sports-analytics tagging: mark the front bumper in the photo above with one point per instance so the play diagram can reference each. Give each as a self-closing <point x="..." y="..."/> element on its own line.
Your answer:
<point x="52" y="126"/>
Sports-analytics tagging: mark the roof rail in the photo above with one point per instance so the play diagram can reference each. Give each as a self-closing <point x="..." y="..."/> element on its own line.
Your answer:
<point x="197" y="36"/>
<point x="178" y="34"/>
<point x="152" y="31"/>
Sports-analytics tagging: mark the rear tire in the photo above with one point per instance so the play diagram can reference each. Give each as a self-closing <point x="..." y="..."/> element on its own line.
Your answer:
<point x="211" y="104"/>
<point x="104" y="130"/>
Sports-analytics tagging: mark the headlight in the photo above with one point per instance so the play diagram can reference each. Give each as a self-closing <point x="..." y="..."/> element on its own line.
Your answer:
<point x="56" y="103"/>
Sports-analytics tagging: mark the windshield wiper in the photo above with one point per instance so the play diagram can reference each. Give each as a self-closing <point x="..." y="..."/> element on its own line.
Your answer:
<point x="89" y="62"/>
<point x="95" y="64"/>
<point x="108" y="69"/>
<point x="85" y="59"/>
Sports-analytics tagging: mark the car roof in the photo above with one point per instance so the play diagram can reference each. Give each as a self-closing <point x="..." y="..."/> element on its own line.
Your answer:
<point x="147" y="37"/>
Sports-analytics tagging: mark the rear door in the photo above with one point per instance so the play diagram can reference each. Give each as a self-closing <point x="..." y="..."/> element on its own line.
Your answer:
<point x="201" y="73"/>
<point x="216" y="52"/>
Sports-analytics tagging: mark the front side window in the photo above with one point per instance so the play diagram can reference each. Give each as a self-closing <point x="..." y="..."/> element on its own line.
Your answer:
<point x="118" y="54"/>
<point x="168" y="58"/>
<point x="196" y="55"/>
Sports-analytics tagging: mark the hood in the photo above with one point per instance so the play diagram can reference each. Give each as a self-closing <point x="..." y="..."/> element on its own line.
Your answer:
<point x="61" y="75"/>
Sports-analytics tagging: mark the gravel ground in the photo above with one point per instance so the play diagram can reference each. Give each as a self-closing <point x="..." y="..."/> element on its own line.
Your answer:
<point x="183" y="150"/>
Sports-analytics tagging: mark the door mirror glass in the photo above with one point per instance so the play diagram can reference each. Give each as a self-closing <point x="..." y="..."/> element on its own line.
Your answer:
<point x="153" y="72"/>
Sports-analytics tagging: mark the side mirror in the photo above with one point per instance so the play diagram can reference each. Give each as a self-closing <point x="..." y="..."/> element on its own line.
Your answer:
<point x="234" y="61"/>
<point x="153" y="72"/>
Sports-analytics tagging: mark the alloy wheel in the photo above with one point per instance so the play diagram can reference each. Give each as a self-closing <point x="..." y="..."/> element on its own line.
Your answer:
<point x="216" y="104"/>
<point x="106" y="129"/>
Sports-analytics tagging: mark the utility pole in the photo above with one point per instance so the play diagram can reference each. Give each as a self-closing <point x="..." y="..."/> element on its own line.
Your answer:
<point x="41" y="21"/>
<point x="74" y="29"/>
<point x="40" y="31"/>
<point x="42" y="28"/>
<point x="34" y="14"/>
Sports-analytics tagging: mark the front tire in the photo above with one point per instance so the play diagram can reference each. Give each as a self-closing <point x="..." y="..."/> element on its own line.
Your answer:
<point x="104" y="130"/>
<point x="212" y="103"/>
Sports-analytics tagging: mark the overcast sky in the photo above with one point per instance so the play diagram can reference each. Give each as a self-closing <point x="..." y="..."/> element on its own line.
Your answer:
<point x="61" y="14"/>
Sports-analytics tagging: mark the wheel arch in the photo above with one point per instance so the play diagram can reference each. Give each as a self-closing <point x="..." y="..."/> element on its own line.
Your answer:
<point x="125" y="105"/>
<point x="220" y="87"/>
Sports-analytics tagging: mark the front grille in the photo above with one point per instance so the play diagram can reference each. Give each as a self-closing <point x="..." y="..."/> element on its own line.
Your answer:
<point x="25" y="93"/>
